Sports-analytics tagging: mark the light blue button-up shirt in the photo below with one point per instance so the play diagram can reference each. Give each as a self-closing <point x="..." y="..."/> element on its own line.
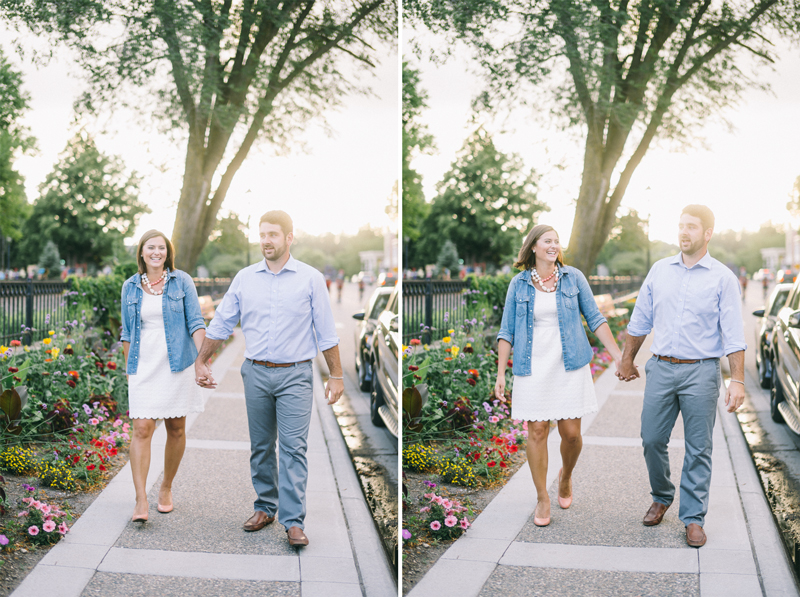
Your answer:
<point x="285" y="317"/>
<point x="696" y="312"/>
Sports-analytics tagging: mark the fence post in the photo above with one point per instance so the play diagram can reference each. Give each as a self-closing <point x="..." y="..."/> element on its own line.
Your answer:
<point x="428" y="311"/>
<point x="28" y="337"/>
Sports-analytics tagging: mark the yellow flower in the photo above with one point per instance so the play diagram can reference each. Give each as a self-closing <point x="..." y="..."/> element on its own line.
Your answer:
<point x="446" y="339"/>
<point x="27" y="349"/>
<point x="469" y="344"/>
<point x="55" y="352"/>
<point x="70" y="345"/>
<point x="454" y="350"/>
<point x="451" y="332"/>
<point x="426" y="347"/>
<point x="46" y="341"/>
<point x="52" y="332"/>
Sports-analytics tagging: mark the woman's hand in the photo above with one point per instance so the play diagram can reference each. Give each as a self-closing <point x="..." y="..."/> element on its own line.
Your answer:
<point x="500" y="386"/>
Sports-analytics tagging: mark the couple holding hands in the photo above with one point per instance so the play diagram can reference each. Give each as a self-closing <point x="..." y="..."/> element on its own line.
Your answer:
<point x="285" y="315"/>
<point x="691" y="303"/>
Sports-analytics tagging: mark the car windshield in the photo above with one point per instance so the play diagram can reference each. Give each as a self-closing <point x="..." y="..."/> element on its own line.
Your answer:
<point x="780" y="301"/>
<point x="380" y="305"/>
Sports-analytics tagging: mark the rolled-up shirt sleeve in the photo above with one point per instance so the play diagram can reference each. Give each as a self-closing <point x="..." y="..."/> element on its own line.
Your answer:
<point x="227" y="314"/>
<point x="322" y="314"/>
<point x="730" y="316"/>
<point x="641" y="322"/>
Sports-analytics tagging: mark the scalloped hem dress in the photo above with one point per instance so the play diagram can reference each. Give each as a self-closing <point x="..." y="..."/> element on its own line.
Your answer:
<point x="550" y="392"/>
<point x="155" y="392"/>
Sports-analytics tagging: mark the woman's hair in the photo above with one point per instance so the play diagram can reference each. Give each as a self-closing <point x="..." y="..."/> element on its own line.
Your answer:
<point x="170" y="259"/>
<point x="525" y="259"/>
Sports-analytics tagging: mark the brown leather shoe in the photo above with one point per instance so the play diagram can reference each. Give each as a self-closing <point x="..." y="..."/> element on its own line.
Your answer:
<point x="258" y="521"/>
<point x="695" y="535"/>
<point x="654" y="514"/>
<point x="296" y="536"/>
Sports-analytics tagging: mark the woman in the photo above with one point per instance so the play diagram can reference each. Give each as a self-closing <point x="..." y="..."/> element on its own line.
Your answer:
<point x="162" y="330"/>
<point x="552" y="377"/>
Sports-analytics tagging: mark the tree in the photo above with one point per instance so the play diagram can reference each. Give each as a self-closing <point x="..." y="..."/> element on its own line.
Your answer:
<point x="416" y="141"/>
<point x="447" y="261"/>
<point x="226" y="251"/>
<point x="224" y="73"/>
<point x="14" y="140"/>
<point x="87" y="205"/>
<point x="50" y="260"/>
<point x="625" y="253"/>
<point x="625" y="73"/>
<point x="485" y="203"/>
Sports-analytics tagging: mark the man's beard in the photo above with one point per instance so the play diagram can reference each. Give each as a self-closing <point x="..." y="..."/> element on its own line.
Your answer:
<point x="278" y="252"/>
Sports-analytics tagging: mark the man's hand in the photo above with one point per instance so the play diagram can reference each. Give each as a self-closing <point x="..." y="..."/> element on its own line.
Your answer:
<point x="500" y="387"/>
<point x="627" y="371"/>
<point x="334" y="390"/>
<point x="202" y="375"/>
<point x="734" y="396"/>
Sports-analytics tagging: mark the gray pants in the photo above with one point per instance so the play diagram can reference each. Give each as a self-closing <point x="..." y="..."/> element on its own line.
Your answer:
<point x="279" y="403"/>
<point x="691" y="389"/>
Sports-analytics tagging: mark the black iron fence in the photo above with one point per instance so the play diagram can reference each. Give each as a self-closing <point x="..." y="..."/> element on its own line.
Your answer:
<point x="213" y="287"/>
<point x="615" y="285"/>
<point x="431" y="306"/>
<point x="28" y="309"/>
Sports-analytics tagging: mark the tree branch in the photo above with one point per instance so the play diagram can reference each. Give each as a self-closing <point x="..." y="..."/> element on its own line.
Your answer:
<point x="567" y="33"/>
<point x="176" y="60"/>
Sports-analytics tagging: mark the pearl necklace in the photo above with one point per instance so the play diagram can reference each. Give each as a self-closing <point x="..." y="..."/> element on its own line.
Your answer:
<point x="538" y="279"/>
<point x="150" y="284"/>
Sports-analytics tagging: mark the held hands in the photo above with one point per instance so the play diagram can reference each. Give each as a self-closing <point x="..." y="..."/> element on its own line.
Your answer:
<point x="734" y="396"/>
<point x="202" y="375"/>
<point x="626" y="371"/>
<point x="334" y="389"/>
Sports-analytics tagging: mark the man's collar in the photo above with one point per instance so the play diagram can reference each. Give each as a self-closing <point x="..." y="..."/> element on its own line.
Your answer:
<point x="705" y="260"/>
<point x="290" y="265"/>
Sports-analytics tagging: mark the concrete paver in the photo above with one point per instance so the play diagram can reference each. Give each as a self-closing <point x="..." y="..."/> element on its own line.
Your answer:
<point x="200" y="548"/>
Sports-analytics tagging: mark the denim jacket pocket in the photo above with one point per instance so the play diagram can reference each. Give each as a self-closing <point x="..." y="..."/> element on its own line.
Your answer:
<point x="570" y="296"/>
<point x="176" y="300"/>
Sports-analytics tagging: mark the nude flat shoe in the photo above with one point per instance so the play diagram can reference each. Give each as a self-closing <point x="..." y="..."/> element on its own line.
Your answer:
<point x="165" y="509"/>
<point x="563" y="502"/>
<point x="540" y="522"/>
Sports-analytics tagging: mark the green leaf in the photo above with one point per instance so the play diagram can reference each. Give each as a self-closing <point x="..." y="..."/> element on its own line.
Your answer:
<point x="11" y="404"/>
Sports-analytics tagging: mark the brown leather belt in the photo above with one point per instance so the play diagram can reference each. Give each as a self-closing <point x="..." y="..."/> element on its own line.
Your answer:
<point x="675" y="361"/>
<point x="269" y="364"/>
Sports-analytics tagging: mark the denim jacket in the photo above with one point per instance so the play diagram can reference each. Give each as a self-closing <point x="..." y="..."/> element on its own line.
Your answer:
<point x="182" y="318"/>
<point x="573" y="298"/>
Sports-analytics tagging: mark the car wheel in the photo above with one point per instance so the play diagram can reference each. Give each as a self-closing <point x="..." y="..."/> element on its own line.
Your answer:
<point x="364" y="379"/>
<point x="775" y="398"/>
<point x="764" y="372"/>
<point x="375" y="402"/>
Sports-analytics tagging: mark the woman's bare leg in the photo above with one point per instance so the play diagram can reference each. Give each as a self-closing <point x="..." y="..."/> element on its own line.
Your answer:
<point x="173" y="453"/>
<point x="140" y="462"/>
<point x="571" y="445"/>
<point x="536" y="449"/>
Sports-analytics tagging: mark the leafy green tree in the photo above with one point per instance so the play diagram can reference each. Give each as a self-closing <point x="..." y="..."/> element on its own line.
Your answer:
<point x="623" y="73"/>
<point x="447" y="259"/>
<point x="87" y="206"/>
<point x="226" y="250"/>
<point x="14" y="140"/>
<point x="50" y="260"/>
<point x="485" y="204"/>
<point x="625" y="253"/>
<point x="743" y="249"/>
<point x="222" y="73"/>
<point x="416" y="141"/>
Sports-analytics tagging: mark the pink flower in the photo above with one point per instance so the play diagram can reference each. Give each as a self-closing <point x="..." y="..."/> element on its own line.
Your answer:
<point x="22" y="513"/>
<point x="3" y="540"/>
<point x="63" y="528"/>
<point x="493" y="419"/>
<point x="447" y="504"/>
<point x="27" y="500"/>
<point x="465" y="523"/>
<point x="425" y="509"/>
<point x="118" y="422"/>
<point x="439" y="500"/>
<point x="45" y="509"/>
<point x="33" y="530"/>
<point x="36" y="504"/>
<point x="93" y="421"/>
<point x="435" y="525"/>
<point x="49" y="526"/>
<point x="451" y="521"/>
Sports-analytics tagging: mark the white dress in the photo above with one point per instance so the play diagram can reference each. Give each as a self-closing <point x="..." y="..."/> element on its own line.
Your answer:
<point x="550" y="392"/>
<point x="155" y="392"/>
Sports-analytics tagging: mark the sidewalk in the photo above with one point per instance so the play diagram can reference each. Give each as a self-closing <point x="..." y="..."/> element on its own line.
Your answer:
<point x="200" y="548"/>
<point x="599" y="546"/>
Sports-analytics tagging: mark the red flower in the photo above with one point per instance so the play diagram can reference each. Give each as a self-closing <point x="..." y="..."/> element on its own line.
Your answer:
<point x="112" y="451"/>
<point x="448" y="358"/>
<point x="415" y="342"/>
<point x="471" y="381"/>
<point x="75" y="459"/>
<point x="513" y="449"/>
<point x="74" y="374"/>
<point x="491" y="463"/>
<point x="111" y="365"/>
<point x="413" y="368"/>
<point x="503" y="465"/>
<point x="91" y="467"/>
<point x="417" y="377"/>
<point x="12" y="369"/>
<point x="71" y="383"/>
<point x="17" y="379"/>
<point x="510" y="363"/>
<point x="102" y="468"/>
<point x="15" y="343"/>
<point x="474" y="373"/>
<point x="445" y="372"/>
<point x="448" y="350"/>
<point x="99" y="364"/>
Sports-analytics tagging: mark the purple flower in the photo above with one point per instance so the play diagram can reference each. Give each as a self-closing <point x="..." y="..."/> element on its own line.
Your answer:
<point x="406" y="535"/>
<point x="3" y="540"/>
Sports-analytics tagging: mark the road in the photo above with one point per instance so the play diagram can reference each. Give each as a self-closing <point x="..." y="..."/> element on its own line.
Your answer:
<point x="775" y="448"/>
<point x="373" y="449"/>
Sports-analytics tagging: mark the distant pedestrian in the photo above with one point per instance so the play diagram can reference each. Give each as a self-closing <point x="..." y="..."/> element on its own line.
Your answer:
<point x="765" y="283"/>
<point x="339" y="285"/>
<point x="162" y="329"/>
<point x="286" y="318"/>
<point x="552" y="377"/>
<point x="743" y="282"/>
<point x="691" y="303"/>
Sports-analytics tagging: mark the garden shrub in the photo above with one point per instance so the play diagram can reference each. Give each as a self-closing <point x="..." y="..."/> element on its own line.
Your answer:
<point x="57" y="475"/>
<point x="419" y="457"/>
<point x="17" y="460"/>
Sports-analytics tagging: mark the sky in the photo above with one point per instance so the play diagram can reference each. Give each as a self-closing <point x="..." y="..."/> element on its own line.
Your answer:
<point x="744" y="176"/>
<point x="341" y="183"/>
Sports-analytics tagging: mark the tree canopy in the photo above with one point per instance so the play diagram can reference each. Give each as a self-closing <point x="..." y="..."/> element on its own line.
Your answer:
<point x="223" y="74"/>
<point x="87" y="205"/>
<point x="625" y="72"/>
<point x="485" y="204"/>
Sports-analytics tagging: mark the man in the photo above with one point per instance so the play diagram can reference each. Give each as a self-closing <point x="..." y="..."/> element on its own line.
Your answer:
<point x="692" y="303"/>
<point x="286" y="316"/>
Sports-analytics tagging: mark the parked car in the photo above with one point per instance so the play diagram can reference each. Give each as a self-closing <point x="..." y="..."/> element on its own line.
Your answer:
<point x="384" y="357"/>
<point x="367" y="320"/>
<point x="785" y="276"/>
<point x="768" y="315"/>
<point x="367" y="277"/>
<point x="785" y="356"/>
<point x="387" y="279"/>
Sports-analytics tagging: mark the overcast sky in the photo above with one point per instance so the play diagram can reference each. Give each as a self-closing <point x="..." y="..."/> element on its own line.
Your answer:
<point x="744" y="176"/>
<point x="341" y="184"/>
